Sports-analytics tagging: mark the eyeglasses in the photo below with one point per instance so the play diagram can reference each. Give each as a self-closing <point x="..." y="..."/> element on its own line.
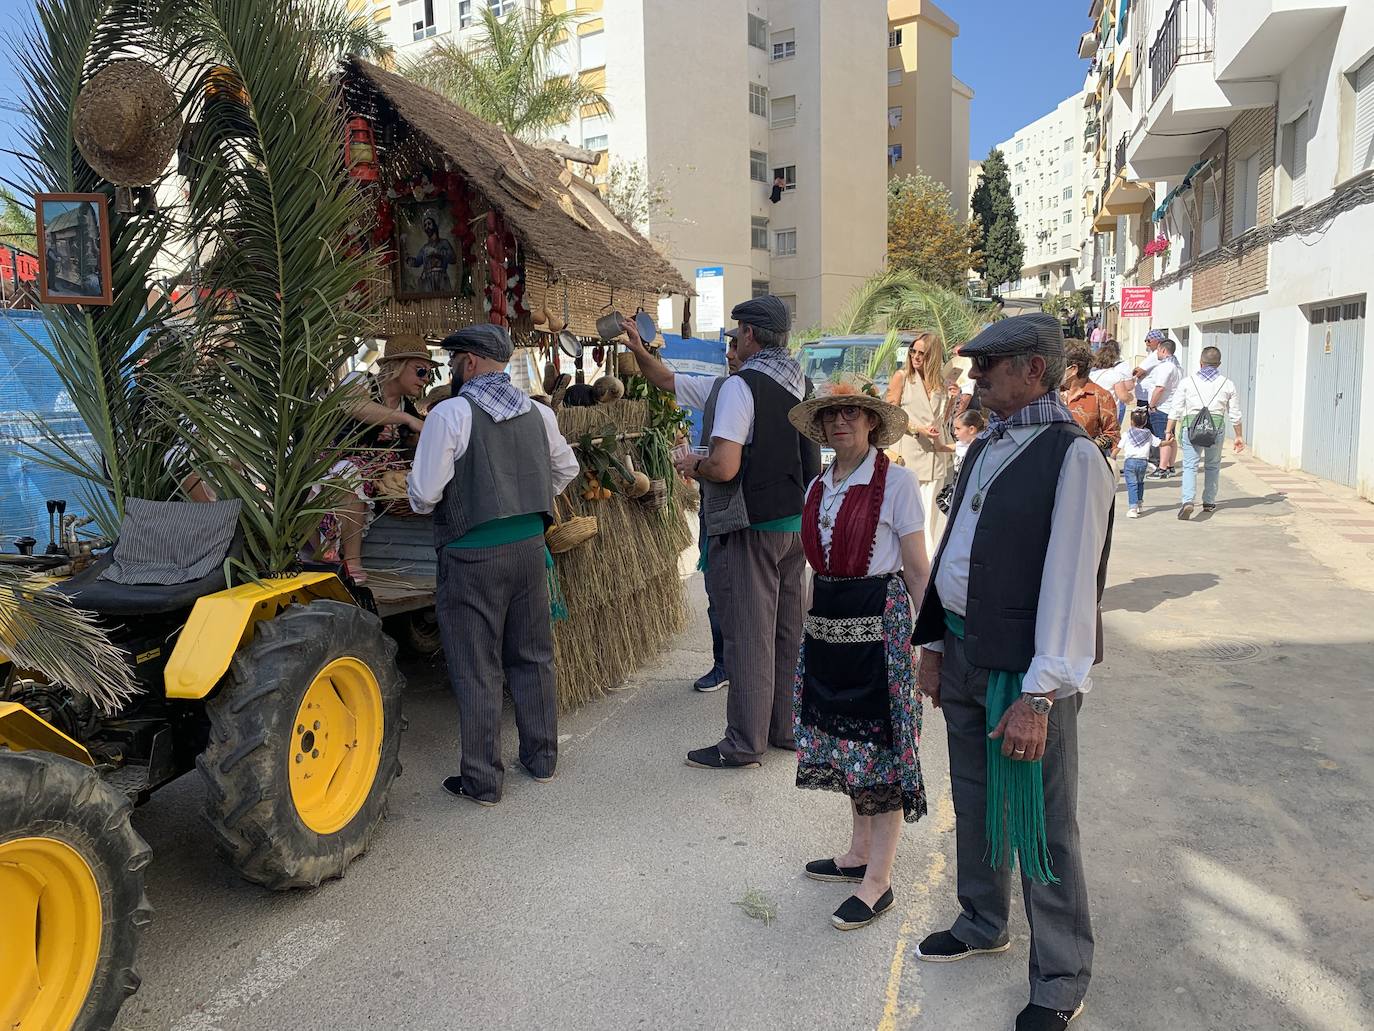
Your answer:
<point x="849" y="413"/>
<point x="984" y="362"/>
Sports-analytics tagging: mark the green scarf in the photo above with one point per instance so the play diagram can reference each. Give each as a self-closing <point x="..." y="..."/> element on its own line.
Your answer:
<point x="1015" y="818"/>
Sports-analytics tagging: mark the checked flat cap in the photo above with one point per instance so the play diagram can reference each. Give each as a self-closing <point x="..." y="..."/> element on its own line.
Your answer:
<point x="766" y="312"/>
<point x="1037" y="333"/>
<point x="484" y="340"/>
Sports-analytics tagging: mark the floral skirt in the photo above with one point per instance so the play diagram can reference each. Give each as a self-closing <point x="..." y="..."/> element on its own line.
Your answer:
<point x="354" y="476"/>
<point x="876" y="762"/>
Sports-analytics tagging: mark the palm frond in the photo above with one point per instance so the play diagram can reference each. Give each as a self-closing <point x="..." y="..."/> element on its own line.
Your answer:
<point x="340" y="31"/>
<point x="40" y="632"/>
<point x="259" y="414"/>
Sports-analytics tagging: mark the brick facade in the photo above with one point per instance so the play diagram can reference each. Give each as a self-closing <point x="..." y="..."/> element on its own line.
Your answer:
<point x="1245" y="272"/>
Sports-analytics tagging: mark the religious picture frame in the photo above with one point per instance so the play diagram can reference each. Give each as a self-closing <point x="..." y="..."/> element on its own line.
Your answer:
<point x="428" y="262"/>
<point x="73" y="248"/>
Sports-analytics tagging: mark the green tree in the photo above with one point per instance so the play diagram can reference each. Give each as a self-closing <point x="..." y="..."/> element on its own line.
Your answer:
<point x="1003" y="250"/>
<point x="16" y="223"/>
<point x="506" y="74"/>
<point x="925" y="236"/>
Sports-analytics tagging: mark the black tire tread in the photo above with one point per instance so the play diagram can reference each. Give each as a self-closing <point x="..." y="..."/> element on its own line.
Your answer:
<point x="248" y="804"/>
<point x="47" y="795"/>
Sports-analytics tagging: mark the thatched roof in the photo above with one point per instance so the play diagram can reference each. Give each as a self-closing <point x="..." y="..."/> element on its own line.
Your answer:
<point x="598" y="248"/>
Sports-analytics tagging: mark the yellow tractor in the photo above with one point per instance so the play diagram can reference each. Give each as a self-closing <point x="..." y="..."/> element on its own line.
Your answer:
<point x="284" y="694"/>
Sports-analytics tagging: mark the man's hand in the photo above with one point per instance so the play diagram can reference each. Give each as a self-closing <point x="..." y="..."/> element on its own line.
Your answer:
<point x="1022" y="732"/>
<point x="687" y="465"/>
<point x="631" y="331"/>
<point x="928" y="675"/>
<point x="1239" y="445"/>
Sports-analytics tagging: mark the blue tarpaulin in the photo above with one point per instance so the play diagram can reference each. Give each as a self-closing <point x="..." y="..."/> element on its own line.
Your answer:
<point x="30" y="389"/>
<point x="694" y="357"/>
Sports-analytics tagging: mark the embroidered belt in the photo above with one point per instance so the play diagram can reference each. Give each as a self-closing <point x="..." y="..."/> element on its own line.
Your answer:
<point x="859" y="630"/>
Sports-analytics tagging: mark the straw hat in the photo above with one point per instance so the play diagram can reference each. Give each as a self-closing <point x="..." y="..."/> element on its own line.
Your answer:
<point x="406" y="345"/>
<point x="849" y="390"/>
<point x="126" y="123"/>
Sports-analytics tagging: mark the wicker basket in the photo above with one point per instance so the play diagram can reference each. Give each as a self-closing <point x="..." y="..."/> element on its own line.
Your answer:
<point x="568" y="533"/>
<point x="656" y="500"/>
<point x="626" y="364"/>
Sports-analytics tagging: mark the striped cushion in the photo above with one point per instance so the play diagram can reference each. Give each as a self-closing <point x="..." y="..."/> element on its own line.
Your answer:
<point x="171" y="542"/>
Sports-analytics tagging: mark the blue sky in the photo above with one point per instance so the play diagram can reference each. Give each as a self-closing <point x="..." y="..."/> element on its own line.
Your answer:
<point x="1019" y="58"/>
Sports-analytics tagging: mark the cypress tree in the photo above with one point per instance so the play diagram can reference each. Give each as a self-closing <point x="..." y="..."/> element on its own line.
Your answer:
<point x="1001" y="245"/>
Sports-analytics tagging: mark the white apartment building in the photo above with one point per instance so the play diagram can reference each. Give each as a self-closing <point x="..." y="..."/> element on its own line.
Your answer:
<point x="715" y="98"/>
<point x="1243" y="135"/>
<point x="1049" y="171"/>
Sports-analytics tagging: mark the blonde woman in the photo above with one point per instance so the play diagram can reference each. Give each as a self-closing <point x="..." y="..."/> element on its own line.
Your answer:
<point x="927" y="449"/>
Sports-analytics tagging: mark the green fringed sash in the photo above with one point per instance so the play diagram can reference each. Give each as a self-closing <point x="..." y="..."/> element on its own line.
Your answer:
<point x="558" y="605"/>
<point x="1016" y="789"/>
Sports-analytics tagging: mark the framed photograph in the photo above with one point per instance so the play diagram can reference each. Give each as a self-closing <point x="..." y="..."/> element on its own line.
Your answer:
<point x="73" y="248"/>
<point x="427" y="261"/>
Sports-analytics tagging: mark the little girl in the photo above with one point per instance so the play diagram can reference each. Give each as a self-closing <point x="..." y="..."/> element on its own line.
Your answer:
<point x="1135" y="448"/>
<point x="967" y="426"/>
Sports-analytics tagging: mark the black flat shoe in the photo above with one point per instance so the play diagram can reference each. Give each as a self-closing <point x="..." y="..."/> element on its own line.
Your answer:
<point x="454" y="786"/>
<point x="1042" y="1018"/>
<point x="711" y="759"/>
<point x="854" y="912"/>
<point x="829" y="870"/>
<point x="943" y="947"/>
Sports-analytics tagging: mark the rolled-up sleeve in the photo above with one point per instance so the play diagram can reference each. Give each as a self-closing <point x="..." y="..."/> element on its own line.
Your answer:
<point x="562" y="460"/>
<point x="443" y="441"/>
<point x="1066" y="618"/>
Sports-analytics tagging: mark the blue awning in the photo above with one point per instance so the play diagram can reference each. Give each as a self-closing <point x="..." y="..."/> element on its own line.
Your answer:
<point x="1178" y="190"/>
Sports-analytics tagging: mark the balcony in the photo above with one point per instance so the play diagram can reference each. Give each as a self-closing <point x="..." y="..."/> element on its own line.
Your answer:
<point x="1186" y="100"/>
<point x="1259" y="38"/>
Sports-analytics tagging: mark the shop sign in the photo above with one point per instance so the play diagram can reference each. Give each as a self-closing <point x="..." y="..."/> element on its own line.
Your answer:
<point x="1137" y="302"/>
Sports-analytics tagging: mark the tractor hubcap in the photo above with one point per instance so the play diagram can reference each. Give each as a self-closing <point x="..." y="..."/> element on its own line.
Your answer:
<point x="336" y="745"/>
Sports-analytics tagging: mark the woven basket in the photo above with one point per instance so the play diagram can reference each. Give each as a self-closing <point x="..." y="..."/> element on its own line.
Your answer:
<point x="568" y="533"/>
<point x="656" y="500"/>
<point x="626" y="364"/>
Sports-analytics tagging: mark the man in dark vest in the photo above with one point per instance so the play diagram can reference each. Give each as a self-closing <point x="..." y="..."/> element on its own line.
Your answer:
<point x="691" y="391"/>
<point x="1010" y="628"/>
<point x="488" y="465"/>
<point x="752" y="485"/>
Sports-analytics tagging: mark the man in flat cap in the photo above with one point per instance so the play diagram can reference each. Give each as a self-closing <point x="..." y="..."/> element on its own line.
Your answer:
<point x="752" y="485"/>
<point x="1010" y="628"/>
<point x="489" y="464"/>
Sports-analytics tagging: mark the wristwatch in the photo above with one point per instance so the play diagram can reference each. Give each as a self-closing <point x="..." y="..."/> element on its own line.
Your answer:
<point x="1040" y="704"/>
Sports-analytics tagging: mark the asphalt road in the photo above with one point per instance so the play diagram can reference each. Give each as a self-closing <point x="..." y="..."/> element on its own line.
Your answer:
<point x="1227" y="777"/>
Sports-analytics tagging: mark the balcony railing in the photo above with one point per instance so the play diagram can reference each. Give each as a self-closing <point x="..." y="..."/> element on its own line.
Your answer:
<point x="1119" y="160"/>
<point x="1186" y="36"/>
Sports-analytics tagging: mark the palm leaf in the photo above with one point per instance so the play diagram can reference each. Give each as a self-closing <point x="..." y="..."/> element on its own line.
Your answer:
<point x="40" y="632"/>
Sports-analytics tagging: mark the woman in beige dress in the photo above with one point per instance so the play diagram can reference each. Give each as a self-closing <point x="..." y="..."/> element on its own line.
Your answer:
<point x="927" y="449"/>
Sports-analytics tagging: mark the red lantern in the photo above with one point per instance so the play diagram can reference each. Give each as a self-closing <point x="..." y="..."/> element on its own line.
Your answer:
<point x="361" y="148"/>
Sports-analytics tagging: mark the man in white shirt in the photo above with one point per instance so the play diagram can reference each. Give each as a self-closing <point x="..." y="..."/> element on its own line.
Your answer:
<point x="489" y="463"/>
<point x="1208" y="389"/>
<point x="691" y="392"/>
<point x="1152" y="342"/>
<point x="1160" y="384"/>
<point x="1010" y="628"/>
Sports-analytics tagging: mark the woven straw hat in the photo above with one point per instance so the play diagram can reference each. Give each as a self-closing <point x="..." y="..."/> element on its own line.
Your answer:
<point x="126" y="123"/>
<point x="406" y="345"/>
<point x="849" y="390"/>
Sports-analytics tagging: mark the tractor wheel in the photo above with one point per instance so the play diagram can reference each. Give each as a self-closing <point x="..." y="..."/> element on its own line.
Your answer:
<point x="71" y="877"/>
<point x="418" y="633"/>
<point x="305" y="736"/>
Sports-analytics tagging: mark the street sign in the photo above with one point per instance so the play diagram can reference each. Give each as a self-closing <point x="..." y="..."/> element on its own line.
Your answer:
<point x="1137" y="302"/>
<point x="710" y="299"/>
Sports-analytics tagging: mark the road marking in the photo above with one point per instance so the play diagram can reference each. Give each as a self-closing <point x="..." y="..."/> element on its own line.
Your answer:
<point x="278" y="964"/>
<point x="944" y="823"/>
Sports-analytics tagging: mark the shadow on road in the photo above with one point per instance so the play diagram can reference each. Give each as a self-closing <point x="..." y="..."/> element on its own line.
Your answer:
<point x="1146" y="592"/>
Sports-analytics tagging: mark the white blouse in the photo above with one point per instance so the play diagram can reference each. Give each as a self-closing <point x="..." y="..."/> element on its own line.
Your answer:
<point x="901" y="512"/>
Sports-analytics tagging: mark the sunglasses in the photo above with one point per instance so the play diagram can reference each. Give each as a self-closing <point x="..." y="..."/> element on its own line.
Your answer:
<point x="984" y="362"/>
<point x="849" y="413"/>
<point x="424" y="372"/>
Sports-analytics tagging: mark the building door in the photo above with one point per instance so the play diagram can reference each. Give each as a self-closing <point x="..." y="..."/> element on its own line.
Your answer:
<point x="1241" y="364"/>
<point x="1331" y="425"/>
<point x="1186" y="360"/>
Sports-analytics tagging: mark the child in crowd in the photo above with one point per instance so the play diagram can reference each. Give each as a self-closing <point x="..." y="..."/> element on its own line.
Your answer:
<point x="967" y="426"/>
<point x="1135" y="449"/>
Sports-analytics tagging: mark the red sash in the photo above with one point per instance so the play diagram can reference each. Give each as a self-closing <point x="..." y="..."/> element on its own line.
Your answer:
<point x="855" y="529"/>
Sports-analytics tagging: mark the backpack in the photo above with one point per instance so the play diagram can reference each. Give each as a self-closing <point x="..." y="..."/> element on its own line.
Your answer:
<point x="1202" y="430"/>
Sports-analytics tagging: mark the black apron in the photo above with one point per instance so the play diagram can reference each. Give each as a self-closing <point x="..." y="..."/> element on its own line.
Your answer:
<point x="845" y="690"/>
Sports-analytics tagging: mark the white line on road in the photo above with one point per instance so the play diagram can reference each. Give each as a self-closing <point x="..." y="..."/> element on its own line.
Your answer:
<point x="280" y="962"/>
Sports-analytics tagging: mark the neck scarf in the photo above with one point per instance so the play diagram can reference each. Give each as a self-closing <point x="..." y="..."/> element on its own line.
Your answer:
<point x="780" y="366"/>
<point x="494" y="393"/>
<point x="1209" y="372"/>
<point x="1042" y="411"/>
<point x="856" y="525"/>
<point x="1136" y="436"/>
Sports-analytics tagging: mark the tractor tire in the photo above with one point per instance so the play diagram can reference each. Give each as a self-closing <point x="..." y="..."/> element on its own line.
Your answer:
<point x="305" y="737"/>
<point x="71" y="876"/>
<point x="418" y="633"/>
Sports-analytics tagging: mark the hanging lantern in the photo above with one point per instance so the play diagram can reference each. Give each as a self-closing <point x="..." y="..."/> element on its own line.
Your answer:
<point x="362" y="151"/>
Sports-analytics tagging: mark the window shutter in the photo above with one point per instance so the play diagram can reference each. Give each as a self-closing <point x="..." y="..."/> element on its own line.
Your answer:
<point x="1299" y="167"/>
<point x="1364" y="116"/>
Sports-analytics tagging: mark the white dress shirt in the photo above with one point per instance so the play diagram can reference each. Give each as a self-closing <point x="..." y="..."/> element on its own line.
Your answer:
<point x="900" y="514"/>
<point x="1166" y="374"/>
<point x="1195" y="393"/>
<point x="1066" y="616"/>
<point x="1147" y="366"/>
<point x="693" y="391"/>
<point x="444" y="440"/>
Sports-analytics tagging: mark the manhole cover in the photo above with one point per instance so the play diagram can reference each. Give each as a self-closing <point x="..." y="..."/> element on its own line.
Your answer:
<point x="1223" y="651"/>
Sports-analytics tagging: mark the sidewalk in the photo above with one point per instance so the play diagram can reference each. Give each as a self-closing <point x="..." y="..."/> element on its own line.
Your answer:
<point x="1333" y="504"/>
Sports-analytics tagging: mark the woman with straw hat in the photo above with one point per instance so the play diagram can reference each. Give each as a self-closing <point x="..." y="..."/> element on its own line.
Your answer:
<point x="856" y="713"/>
<point x="382" y="406"/>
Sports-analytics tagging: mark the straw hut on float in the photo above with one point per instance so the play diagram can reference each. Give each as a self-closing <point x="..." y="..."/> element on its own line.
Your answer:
<point x="474" y="225"/>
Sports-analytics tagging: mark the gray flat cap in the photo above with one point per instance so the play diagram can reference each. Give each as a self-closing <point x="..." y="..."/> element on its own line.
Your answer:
<point x="484" y="340"/>
<point x="766" y="312"/>
<point x="1037" y="333"/>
